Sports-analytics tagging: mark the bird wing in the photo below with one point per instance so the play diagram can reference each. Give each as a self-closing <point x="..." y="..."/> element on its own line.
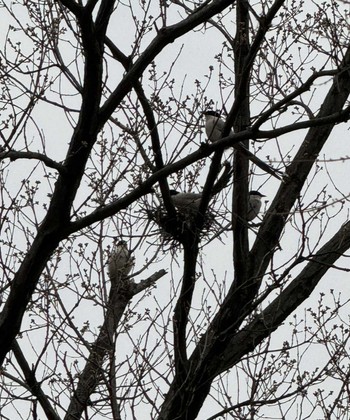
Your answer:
<point x="186" y="199"/>
<point x="224" y="179"/>
<point x="253" y="208"/>
<point x="219" y="127"/>
<point x="220" y="124"/>
<point x="189" y="196"/>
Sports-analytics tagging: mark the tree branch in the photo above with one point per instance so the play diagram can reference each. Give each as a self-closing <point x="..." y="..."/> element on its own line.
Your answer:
<point x="241" y="163"/>
<point x="152" y="127"/>
<point x="165" y="36"/>
<point x="205" y="362"/>
<point x="73" y="7"/>
<point x="265" y="23"/>
<point x="33" y="384"/>
<point x="297" y="172"/>
<point x="183" y="305"/>
<point x="67" y="184"/>
<point x="289" y="98"/>
<point x="288" y="300"/>
<point x="121" y="293"/>
<point x="14" y="155"/>
<point x="205" y="151"/>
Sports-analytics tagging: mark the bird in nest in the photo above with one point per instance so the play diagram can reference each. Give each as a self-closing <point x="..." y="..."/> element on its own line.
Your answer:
<point x="190" y="202"/>
<point x="120" y="261"/>
<point x="185" y="201"/>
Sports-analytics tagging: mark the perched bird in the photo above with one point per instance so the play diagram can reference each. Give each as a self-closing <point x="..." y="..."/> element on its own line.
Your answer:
<point x="214" y="125"/>
<point x="120" y="261"/>
<point x="186" y="201"/>
<point x="254" y="204"/>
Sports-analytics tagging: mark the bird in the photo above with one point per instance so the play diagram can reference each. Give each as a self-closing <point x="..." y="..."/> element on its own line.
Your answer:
<point x="214" y="125"/>
<point x="191" y="201"/>
<point x="185" y="201"/>
<point x="120" y="261"/>
<point x="254" y="204"/>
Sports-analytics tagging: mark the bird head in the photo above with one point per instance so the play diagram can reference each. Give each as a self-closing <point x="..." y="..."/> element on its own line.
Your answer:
<point x="173" y="192"/>
<point x="118" y="241"/>
<point x="256" y="193"/>
<point x="211" y="113"/>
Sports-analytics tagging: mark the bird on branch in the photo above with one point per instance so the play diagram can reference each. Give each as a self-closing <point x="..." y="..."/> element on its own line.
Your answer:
<point x="254" y="204"/>
<point x="120" y="261"/>
<point x="214" y="125"/>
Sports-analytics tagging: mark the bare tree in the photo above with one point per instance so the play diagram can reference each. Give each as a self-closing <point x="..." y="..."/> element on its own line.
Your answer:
<point x="101" y="105"/>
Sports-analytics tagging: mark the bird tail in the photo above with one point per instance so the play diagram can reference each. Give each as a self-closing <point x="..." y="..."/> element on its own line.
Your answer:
<point x="224" y="179"/>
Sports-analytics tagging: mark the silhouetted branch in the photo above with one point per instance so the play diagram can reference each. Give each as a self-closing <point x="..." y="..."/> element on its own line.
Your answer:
<point x="121" y="293"/>
<point x="50" y="163"/>
<point x="33" y="384"/>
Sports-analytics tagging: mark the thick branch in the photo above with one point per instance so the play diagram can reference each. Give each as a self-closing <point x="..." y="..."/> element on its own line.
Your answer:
<point x="165" y="36"/>
<point x="73" y="7"/>
<point x="58" y="214"/>
<point x="204" y="370"/>
<point x="183" y="306"/>
<point x="91" y="375"/>
<point x="289" y="300"/>
<point x="14" y="155"/>
<point x="241" y="163"/>
<point x="120" y="295"/>
<point x="298" y="171"/>
<point x="104" y="13"/>
<point x="205" y="360"/>
<point x="33" y="384"/>
<point x="205" y="151"/>
<point x="213" y="173"/>
<point x="237" y="304"/>
<point x="250" y="57"/>
<point x="152" y="127"/>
